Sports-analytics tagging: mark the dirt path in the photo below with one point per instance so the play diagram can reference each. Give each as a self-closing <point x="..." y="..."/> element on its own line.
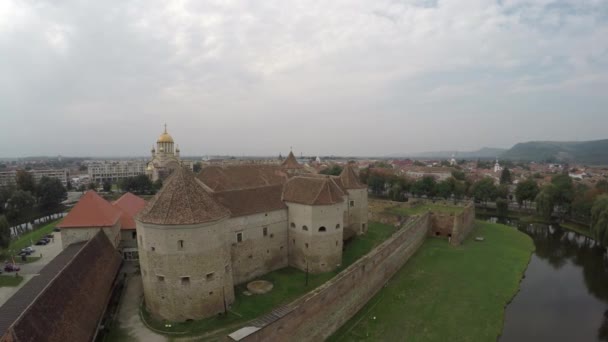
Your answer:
<point x="129" y="313"/>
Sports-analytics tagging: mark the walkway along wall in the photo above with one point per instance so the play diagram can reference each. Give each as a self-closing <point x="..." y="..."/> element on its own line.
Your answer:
<point x="323" y="311"/>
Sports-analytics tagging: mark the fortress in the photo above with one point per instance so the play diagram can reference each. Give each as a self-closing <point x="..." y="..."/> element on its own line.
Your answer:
<point x="201" y="235"/>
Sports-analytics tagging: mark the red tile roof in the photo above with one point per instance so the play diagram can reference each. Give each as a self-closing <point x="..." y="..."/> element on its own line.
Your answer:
<point x="182" y="200"/>
<point x="312" y="191"/>
<point x="129" y="205"/>
<point x="91" y="211"/>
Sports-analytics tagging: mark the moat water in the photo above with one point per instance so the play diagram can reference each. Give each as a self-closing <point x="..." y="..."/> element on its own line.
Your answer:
<point x="564" y="295"/>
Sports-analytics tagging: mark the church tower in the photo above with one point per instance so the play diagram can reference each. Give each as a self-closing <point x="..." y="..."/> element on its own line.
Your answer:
<point x="165" y="157"/>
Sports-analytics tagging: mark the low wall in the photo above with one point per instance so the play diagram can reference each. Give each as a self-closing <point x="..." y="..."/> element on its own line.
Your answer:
<point x="463" y="225"/>
<point x="319" y="314"/>
<point x="456" y="227"/>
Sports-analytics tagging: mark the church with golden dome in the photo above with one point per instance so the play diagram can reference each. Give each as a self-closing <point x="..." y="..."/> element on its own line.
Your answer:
<point x="165" y="158"/>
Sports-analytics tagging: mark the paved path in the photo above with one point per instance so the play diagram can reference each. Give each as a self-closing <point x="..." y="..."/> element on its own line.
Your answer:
<point x="128" y="316"/>
<point x="29" y="271"/>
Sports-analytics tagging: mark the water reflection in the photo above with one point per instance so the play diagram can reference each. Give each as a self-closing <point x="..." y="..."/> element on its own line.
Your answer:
<point x="564" y="296"/>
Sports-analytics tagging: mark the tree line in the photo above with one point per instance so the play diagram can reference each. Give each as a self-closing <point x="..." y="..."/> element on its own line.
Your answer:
<point x="27" y="200"/>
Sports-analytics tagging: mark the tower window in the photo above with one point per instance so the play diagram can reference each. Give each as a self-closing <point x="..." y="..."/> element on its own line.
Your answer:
<point x="305" y="228"/>
<point x="306" y="245"/>
<point x="160" y="278"/>
<point x="210" y="276"/>
<point x="338" y="226"/>
<point x="322" y="229"/>
<point x="134" y="235"/>
<point x="293" y="225"/>
<point x="185" y="280"/>
<point x="352" y="203"/>
<point x="239" y="237"/>
<point x="153" y="249"/>
<point x="180" y="244"/>
<point x="265" y="231"/>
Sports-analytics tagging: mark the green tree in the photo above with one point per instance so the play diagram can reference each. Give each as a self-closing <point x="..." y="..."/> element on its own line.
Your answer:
<point x="599" y="220"/>
<point x="69" y="186"/>
<point x="334" y="170"/>
<point x="427" y="186"/>
<point x="458" y="175"/>
<point x="602" y="186"/>
<point x="139" y="184"/>
<point x="447" y="188"/>
<point x="25" y="181"/>
<point x="106" y="185"/>
<point x="505" y="176"/>
<point x="93" y="185"/>
<point x="50" y="193"/>
<point x="545" y="201"/>
<point x="197" y="167"/>
<point x="20" y="207"/>
<point x="502" y="207"/>
<point x="5" y="233"/>
<point x="526" y="191"/>
<point x="376" y="183"/>
<point x="502" y="191"/>
<point x="563" y="193"/>
<point x="484" y="190"/>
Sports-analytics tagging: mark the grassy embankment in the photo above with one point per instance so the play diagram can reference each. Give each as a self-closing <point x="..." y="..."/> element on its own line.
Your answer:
<point x="420" y="209"/>
<point x="27" y="239"/>
<point x="447" y="293"/>
<point x="289" y="284"/>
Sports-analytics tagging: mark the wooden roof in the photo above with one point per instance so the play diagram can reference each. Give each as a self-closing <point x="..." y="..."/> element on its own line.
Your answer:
<point x="91" y="211"/>
<point x="312" y="191"/>
<point x="182" y="200"/>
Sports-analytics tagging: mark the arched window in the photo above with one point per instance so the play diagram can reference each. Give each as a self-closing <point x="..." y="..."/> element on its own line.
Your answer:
<point x="338" y="226"/>
<point x="322" y="229"/>
<point x="293" y="225"/>
<point x="305" y="228"/>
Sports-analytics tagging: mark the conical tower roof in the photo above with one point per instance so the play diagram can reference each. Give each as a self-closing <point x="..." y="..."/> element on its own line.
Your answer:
<point x="291" y="162"/>
<point x="182" y="200"/>
<point x="349" y="178"/>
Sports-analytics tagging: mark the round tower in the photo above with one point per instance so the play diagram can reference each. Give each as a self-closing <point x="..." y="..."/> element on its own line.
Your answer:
<point x="183" y="249"/>
<point x="356" y="206"/>
<point x="316" y="221"/>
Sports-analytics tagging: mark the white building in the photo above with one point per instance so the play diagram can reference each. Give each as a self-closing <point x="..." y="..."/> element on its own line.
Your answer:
<point x="100" y="171"/>
<point x="10" y="177"/>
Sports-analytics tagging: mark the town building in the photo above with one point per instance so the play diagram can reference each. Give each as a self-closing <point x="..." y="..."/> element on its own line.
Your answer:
<point x="10" y="177"/>
<point x="201" y="235"/>
<point x="92" y="214"/>
<point x="113" y="171"/>
<point x="165" y="158"/>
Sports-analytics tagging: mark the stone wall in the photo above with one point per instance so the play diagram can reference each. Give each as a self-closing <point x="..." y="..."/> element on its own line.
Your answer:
<point x="320" y="313"/>
<point x="463" y="225"/>
<point x="263" y="246"/>
<point x="74" y="235"/>
<point x="456" y="227"/>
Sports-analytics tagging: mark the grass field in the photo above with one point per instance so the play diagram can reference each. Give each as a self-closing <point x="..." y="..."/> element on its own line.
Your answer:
<point x="447" y="293"/>
<point x="10" y="280"/>
<point x="289" y="284"/>
<point x="420" y="209"/>
<point x="33" y="236"/>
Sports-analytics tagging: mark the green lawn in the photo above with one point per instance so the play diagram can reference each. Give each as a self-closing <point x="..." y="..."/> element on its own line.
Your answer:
<point x="33" y="236"/>
<point x="10" y="280"/>
<point x="289" y="283"/>
<point x="420" y="209"/>
<point x="447" y="293"/>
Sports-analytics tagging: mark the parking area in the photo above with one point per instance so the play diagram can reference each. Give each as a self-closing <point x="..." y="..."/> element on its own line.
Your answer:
<point x="28" y="271"/>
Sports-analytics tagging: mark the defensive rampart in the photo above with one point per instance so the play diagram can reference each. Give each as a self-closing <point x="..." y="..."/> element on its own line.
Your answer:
<point x="320" y="313"/>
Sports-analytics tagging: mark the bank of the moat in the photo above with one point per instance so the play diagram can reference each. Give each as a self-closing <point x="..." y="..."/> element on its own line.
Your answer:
<point x="447" y="293"/>
<point x="564" y="296"/>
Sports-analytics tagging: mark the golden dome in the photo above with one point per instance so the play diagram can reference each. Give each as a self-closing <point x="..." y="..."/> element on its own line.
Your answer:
<point x="165" y="137"/>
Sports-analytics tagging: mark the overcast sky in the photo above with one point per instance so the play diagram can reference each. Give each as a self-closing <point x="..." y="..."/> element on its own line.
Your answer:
<point x="354" y="77"/>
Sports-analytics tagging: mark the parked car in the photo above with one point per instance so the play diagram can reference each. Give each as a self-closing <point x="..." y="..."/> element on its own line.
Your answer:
<point x="24" y="253"/>
<point x="28" y="250"/>
<point x="42" y="242"/>
<point x="10" y="267"/>
<point x="50" y="236"/>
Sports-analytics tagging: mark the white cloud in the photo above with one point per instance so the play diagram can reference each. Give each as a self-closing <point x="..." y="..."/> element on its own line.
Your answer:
<point x="270" y="66"/>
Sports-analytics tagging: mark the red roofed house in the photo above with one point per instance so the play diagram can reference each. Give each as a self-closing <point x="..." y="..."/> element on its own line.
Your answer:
<point x="90" y="215"/>
<point x="93" y="213"/>
<point x="130" y="205"/>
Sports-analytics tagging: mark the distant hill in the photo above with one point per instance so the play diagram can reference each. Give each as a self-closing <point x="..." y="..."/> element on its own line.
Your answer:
<point x="484" y="153"/>
<point x="585" y="152"/>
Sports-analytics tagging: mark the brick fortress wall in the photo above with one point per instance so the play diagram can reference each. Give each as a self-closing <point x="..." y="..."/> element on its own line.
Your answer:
<point x="323" y="311"/>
